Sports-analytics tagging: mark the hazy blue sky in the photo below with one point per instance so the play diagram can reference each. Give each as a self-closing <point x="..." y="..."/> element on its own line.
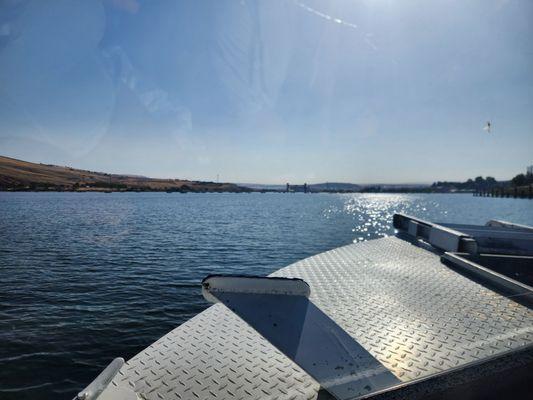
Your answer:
<point x="270" y="91"/>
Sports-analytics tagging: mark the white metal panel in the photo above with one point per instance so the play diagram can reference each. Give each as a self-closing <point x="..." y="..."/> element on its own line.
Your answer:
<point x="406" y="308"/>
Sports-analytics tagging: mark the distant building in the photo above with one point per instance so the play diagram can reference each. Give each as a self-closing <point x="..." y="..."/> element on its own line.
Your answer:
<point x="530" y="170"/>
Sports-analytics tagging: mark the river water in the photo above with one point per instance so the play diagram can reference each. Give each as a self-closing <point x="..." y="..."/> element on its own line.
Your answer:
<point x="86" y="277"/>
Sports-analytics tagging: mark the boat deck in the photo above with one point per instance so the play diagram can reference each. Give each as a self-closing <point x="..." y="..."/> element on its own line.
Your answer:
<point x="413" y="313"/>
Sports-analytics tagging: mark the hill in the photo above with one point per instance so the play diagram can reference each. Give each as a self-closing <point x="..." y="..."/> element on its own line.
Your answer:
<point x="23" y="175"/>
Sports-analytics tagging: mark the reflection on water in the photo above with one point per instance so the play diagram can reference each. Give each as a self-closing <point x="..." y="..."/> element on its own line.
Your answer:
<point x="372" y="213"/>
<point x="89" y="277"/>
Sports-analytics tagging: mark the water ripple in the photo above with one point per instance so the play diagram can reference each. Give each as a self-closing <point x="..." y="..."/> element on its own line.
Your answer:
<point x="89" y="277"/>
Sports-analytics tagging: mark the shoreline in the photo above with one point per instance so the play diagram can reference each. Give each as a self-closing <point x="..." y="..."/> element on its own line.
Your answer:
<point x="222" y="191"/>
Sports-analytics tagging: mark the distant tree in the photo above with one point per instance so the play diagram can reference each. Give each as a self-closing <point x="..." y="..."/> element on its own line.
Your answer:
<point x="479" y="180"/>
<point x="490" y="180"/>
<point x="519" y="180"/>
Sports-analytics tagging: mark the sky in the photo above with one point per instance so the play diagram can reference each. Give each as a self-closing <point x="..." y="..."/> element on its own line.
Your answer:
<point x="272" y="91"/>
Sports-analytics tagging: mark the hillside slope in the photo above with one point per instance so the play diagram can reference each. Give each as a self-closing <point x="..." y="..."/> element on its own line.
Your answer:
<point x="23" y="175"/>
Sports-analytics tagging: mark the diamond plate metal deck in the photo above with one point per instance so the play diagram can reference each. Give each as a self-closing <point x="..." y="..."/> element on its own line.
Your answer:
<point x="398" y="300"/>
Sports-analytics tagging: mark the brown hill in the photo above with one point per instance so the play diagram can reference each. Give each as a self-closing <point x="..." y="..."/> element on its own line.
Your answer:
<point x="23" y="175"/>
